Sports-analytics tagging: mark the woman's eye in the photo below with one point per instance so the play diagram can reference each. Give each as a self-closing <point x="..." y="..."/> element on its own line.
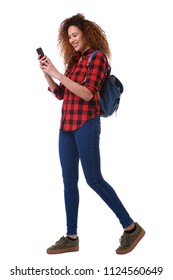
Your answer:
<point x="73" y="36"/>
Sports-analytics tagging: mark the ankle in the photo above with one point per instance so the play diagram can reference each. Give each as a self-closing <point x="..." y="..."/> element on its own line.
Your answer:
<point x="131" y="227"/>
<point x="72" y="236"/>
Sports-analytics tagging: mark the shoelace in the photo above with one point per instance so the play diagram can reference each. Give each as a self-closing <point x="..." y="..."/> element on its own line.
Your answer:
<point x="60" y="240"/>
<point x="123" y="240"/>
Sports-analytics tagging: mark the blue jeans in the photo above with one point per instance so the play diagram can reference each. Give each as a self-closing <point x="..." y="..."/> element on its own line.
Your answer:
<point x="83" y="144"/>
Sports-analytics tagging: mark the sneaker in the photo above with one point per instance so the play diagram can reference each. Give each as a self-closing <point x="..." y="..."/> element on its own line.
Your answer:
<point x="64" y="245"/>
<point x="128" y="241"/>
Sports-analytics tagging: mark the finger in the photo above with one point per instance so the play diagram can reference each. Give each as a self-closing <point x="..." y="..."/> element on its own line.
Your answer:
<point x="39" y="57"/>
<point x="44" y="58"/>
<point x="43" y="66"/>
<point x="48" y="61"/>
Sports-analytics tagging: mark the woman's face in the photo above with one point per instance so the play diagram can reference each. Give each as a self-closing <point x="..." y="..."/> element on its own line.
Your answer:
<point x="77" y="39"/>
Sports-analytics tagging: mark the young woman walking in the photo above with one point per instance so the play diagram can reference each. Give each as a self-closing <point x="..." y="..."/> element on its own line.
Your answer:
<point x="80" y="126"/>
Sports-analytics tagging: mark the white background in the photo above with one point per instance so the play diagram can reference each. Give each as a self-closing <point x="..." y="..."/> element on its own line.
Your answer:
<point x="136" y="147"/>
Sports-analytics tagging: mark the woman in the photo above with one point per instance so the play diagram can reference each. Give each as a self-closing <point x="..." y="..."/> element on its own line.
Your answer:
<point x="80" y="126"/>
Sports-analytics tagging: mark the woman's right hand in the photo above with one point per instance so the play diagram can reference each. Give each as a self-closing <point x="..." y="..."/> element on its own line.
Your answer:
<point x="52" y="85"/>
<point x="41" y="62"/>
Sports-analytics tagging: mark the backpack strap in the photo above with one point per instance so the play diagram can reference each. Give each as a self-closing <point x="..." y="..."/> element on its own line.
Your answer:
<point x="108" y="70"/>
<point x="91" y="56"/>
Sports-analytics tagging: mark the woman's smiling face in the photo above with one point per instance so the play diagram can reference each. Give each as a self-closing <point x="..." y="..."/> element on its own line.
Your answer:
<point x="77" y="39"/>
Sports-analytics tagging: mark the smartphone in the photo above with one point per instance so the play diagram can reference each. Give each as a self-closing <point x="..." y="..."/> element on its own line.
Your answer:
<point x="40" y="52"/>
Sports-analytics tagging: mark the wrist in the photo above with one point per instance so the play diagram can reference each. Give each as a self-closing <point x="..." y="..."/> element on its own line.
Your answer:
<point x="59" y="76"/>
<point x="47" y="76"/>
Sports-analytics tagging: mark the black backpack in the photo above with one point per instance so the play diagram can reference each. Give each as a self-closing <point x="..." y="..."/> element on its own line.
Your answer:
<point x="110" y="92"/>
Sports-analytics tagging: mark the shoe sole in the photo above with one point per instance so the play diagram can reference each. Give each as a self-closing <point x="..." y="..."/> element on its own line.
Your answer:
<point x="140" y="236"/>
<point x="61" y="251"/>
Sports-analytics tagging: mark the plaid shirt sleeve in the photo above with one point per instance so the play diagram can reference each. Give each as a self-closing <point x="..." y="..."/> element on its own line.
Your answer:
<point x="96" y="72"/>
<point x="58" y="91"/>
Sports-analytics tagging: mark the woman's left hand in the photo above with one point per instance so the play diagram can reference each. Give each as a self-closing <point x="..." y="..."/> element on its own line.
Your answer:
<point x="49" y="68"/>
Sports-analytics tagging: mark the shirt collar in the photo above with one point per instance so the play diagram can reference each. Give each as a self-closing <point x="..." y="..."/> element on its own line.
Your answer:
<point x="85" y="53"/>
<point x="88" y="51"/>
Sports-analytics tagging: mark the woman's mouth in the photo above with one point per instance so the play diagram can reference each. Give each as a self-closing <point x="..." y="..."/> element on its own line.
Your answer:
<point x="75" y="45"/>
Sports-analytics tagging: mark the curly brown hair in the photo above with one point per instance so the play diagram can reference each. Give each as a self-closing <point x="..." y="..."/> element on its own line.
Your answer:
<point x="93" y="33"/>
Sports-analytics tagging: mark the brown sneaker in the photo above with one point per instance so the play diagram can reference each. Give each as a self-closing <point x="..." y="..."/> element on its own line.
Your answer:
<point x="64" y="245"/>
<point x="128" y="241"/>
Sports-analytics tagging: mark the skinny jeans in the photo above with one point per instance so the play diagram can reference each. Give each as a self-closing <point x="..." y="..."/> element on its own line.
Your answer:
<point x="83" y="144"/>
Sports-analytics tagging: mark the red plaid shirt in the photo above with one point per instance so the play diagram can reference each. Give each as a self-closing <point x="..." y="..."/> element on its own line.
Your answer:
<point x="75" y="110"/>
